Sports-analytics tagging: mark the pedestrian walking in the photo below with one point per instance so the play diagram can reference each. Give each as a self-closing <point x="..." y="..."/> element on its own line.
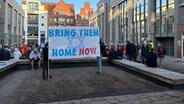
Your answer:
<point x="160" y="53"/>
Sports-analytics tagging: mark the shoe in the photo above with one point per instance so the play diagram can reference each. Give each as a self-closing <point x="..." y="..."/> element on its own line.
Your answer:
<point x="98" y="73"/>
<point x="50" y="76"/>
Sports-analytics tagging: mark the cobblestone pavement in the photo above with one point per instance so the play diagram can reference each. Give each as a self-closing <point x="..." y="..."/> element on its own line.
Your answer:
<point x="166" y="97"/>
<point x="173" y="64"/>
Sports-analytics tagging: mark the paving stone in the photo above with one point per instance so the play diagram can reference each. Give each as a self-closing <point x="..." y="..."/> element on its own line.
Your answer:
<point x="55" y="103"/>
<point x="132" y="97"/>
<point x="113" y="101"/>
<point x="142" y="95"/>
<point x="76" y="101"/>
<point x="64" y="102"/>
<point x="136" y="102"/>
<point x="100" y="102"/>
<point x="86" y="100"/>
<point x="153" y="98"/>
<point x="122" y="98"/>
<point x="175" y="100"/>
<point x="166" y="102"/>
<point x="110" y="98"/>
<point x="155" y="102"/>
<point x="98" y="99"/>
<point x="144" y="100"/>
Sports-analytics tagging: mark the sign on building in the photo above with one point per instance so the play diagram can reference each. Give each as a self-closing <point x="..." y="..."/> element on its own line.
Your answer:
<point x="73" y="42"/>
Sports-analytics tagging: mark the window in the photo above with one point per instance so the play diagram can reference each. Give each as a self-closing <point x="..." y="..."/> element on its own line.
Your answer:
<point x="68" y="20"/>
<point x="42" y="17"/>
<point x="42" y="24"/>
<point x="32" y="6"/>
<point x="71" y="20"/>
<point x="55" y="19"/>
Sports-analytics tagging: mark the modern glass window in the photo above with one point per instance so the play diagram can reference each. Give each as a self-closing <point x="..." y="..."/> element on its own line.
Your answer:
<point x="123" y="23"/>
<point x="164" y="16"/>
<point x="141" y="29"/>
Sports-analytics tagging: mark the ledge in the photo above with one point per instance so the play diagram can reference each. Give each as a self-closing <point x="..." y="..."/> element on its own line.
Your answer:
<point x="25" y="64"/>
<point x="169" y="77"/>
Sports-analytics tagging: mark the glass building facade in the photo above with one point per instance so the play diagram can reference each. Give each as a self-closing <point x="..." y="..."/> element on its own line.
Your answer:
<point x="164" y="28"/>
<point x="140" y="20"/>
<point x="164" y="16"/>
<point x="123" y="21"/>
<point x="164" y="24"/>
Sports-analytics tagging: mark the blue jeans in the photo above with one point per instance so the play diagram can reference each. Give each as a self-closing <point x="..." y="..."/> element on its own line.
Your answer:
<point x="99" y="60"/>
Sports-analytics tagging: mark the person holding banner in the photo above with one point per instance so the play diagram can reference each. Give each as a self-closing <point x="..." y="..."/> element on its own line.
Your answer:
<point x="45" y="72"/>
<point x="99" y="59"/>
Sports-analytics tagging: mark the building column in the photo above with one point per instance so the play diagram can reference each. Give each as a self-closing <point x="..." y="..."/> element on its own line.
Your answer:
<point x="6" y="24"/>
<point x="110" y="19"/>
<point x="116" y="26"/>
<point x="39" y="28"/>
<point x="26" y="27"/>
<point x="130" y="19"/>
<point x="12" y="28"/>
<point x="17" y="27"/>
<point x="20" y="34"/>
<point x="151" y="19"/>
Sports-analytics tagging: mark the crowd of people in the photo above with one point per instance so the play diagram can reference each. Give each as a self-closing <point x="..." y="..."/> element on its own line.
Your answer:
<point x="34" y="53"/>
<point x="146" y="54"/>
<point x="132" y="51"/>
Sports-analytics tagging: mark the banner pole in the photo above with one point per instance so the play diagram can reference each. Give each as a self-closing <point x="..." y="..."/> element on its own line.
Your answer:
<point x="48" y="68"/>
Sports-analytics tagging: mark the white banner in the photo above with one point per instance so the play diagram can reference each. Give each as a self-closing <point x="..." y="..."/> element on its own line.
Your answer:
<point x="73" y="42"/>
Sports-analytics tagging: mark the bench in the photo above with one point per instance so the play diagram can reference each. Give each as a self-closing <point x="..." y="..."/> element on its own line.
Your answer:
<point x="24" y="64"/>
<point x="166" y="76"/>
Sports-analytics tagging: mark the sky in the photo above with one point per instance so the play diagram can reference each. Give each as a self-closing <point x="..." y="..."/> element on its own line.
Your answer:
<point x="78" y="3"/>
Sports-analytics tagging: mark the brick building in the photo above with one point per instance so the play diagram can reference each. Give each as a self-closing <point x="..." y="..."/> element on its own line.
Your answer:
<point x="83" y="16"/>
<point x="60" y="14"/>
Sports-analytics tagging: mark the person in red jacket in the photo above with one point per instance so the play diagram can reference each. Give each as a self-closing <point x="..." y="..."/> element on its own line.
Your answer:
<point x="24" y="48"/>
<point x="122" y="49"/>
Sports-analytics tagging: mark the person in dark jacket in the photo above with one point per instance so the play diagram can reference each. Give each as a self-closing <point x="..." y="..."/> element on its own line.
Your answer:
<point x="1" y="52"/>
<point x="144" y="51"/>
<point x="151" y="59"/>
<point x="130" y="50"/>
<point x="4" y="54"/>
<point x="45" y="62"/>
<point x="99" y="59"/>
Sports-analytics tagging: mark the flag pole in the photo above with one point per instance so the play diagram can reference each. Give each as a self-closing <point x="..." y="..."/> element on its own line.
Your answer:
<point x="48" y="74"/>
